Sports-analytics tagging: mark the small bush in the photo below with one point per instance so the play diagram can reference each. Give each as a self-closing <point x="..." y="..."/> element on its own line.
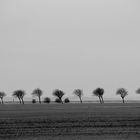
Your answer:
<point x="57" y="100"/>
<point x="47" y="100"/>
<point x="34" y="101"/>
<point x="67" y="100"/>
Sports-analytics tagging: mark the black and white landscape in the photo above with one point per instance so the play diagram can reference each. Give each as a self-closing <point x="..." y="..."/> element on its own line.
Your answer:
<point x="69" y="69"/>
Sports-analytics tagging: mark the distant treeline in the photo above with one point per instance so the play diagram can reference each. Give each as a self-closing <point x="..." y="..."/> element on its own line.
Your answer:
<point x="99" y="92"/>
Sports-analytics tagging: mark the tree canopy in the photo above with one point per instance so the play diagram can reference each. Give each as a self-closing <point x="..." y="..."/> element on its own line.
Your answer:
<point x="99" y="92"/>
<point x="38" y="92"/>
<point x="19" y="94"/>
<point x="79" y="93"/>
<point x="59" y="94"/>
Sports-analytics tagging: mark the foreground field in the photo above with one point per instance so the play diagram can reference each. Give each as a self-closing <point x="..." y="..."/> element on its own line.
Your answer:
<point x="70" y="121"/>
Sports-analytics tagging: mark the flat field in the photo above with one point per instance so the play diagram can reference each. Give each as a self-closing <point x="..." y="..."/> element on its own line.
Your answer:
<point x="70" y="121"/>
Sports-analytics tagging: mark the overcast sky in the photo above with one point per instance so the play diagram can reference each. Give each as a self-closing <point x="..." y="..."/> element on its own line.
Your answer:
<point x="70" y="44"/>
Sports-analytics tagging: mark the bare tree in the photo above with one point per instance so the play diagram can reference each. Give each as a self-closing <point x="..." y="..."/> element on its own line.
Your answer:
<point x="79" y="93"/>
<point x="99" y="92"/>
<point x="38" y="92"/>
<point x="2" y="95"/>
<point x="20" y="95"/>
<point x="122" y="92"/>
<point x="59" y="93"/>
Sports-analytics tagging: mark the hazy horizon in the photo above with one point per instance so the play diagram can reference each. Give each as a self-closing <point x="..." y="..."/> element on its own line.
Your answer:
<point x="59" y="44"/>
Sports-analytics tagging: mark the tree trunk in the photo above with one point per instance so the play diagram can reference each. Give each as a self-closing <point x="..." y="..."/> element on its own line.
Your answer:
<point x="123" y="100"/>
<point x="22" y="101"/>
<point x="2" y="100"/>
<point x="100" y="99"/>
<point x="61" y="101"/>
<point x="19" y="100"/>
<point x="80" y="100"/>
<point x="39" y="99"/>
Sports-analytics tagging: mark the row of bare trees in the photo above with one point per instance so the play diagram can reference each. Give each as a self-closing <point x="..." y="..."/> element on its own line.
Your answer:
<point x="99" y="92"/>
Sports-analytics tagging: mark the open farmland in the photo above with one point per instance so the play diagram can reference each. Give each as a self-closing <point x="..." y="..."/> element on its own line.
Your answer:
<point x="70" y="121"/>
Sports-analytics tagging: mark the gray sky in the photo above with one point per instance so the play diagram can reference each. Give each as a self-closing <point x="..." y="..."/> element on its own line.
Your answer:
<point x="70" y="44"/>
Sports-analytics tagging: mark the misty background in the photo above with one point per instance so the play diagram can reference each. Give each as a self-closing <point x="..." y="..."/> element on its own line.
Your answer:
<point x="62" y="44"/>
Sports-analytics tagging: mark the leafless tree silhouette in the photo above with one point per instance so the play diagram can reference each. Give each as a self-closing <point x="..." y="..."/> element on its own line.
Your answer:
<point x="122" y="92"/>
<point x="20" y="95"/>
<point x="99" y="92"/>
<point x="59" y="93"/>
<point x="38" y="92"/>
<point x="2" y="95"/>
<point x="79" y="93"/>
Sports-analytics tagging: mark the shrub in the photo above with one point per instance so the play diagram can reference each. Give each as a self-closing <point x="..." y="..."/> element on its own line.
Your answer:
<point x="34" y="101"/>
<point x="57" y="100"/>
<point x="67" y="100"/>
<point x="47" y="100"/>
